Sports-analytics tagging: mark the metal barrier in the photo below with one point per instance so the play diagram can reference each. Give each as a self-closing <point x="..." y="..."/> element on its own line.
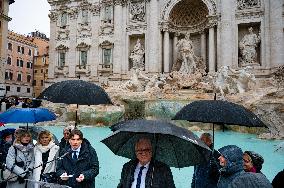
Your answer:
<point x="42" y="184"/>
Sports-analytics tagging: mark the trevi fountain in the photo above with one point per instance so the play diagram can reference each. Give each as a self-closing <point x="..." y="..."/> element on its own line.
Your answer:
<point x="153" y="57"/>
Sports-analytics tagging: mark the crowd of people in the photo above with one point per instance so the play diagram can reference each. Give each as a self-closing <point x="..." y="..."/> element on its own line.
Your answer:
<point x="74" y="163"/>
<point x="14" y="101"/>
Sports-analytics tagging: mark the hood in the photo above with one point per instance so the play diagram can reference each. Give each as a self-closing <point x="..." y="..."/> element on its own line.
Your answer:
<point x="234" y="157"/>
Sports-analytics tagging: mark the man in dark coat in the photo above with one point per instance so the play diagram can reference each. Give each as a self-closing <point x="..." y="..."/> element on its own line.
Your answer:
<point x="145" y="171"/>
<point x="80" y="166"/>
<point x="232" y="174"/>
<point x="64" y="142"/>
<point x="206" y="174"/>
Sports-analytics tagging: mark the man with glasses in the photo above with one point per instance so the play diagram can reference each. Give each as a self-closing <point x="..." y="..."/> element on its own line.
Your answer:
<point x="145" y="172"/>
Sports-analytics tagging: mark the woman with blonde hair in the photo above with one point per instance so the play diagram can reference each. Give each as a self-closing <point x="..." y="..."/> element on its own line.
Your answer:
<point x="45" y="152"/>
<point x="20" y="159"/>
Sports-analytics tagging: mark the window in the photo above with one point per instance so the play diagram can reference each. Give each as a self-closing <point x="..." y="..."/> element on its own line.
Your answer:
<point x="83" y="59"/>
<point x="6" y="75"/>
<point x="107" y="56"/>
<point x="9" y="61"/>
<point x="18" y="89"/>
<point x="28" y="90"/>
<point x="41" y="82"/>
<point x="21" y="63"/>
<point x="35" y="71"/>
<point x="7" y="88"/>
<point x="61" y="60"/>
<point x="29" y="77"/>
<point x="11" y="75"/>
<point x="43" y="60"/>
<point x="108" y="14"/>
<point x="19" y="49"/>
<point x="10" y="46"/>
<point x="18" y="62"/>
<point x="46" y="71"/>
<point x="30" y="52"/>
<point x="19" y="78"/>
<point x="28" y="64"/>
<point x="41" y="70"/>
<point x="23" y="50"/>
<point x="34" y="83"/>
<point x="63" y="19"/>
<point x="85" y="16"/>
<point x="31" y="65"/>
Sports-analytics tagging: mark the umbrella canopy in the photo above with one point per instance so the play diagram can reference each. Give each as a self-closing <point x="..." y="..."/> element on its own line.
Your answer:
<point x="27" y="115"/>
<point x="175" y="146"/>
<point x="219" y="112"/>
<point x="75" y="92"/>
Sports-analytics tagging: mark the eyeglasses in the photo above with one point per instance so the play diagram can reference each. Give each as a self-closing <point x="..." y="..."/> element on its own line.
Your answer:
<point x="141" y="151"/>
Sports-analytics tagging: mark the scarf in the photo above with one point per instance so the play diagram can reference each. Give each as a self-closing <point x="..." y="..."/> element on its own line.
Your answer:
<point x="44" y="149"/>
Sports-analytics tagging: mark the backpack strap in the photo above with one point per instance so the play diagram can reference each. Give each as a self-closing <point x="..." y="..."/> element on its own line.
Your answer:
<point x="16" y="154"/>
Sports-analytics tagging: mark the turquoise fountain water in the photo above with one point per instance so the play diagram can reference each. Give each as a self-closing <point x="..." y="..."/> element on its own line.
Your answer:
<point x="111" y="165"/>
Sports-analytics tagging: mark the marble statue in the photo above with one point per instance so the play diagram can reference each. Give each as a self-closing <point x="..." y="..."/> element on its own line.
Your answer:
<point x="185" y="48"/>
<point x="134" y="84"/>
<point x="248" y="47"/>
<point x="222" y="82"/>
<point x="137" y="56"/>
<point x="244" y="76"/>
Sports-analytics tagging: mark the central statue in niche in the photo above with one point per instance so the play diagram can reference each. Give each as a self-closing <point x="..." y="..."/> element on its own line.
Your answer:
<point x="137" y="56"/>
<point x="185" y="49"/>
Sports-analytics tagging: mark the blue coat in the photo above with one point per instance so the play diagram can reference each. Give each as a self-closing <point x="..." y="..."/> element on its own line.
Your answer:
<point x="234" y="166"/>
<point x="86" y="164"/>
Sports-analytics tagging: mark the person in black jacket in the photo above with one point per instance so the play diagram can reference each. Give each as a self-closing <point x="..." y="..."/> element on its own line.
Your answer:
<point x="80" y="164"/>
<point x="206" y="174"/>
<point x="145" y="171"/>
<point x="278" y="181"/>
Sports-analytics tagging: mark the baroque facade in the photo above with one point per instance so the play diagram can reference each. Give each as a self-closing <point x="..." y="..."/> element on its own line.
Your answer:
<point x="94" y="40"/>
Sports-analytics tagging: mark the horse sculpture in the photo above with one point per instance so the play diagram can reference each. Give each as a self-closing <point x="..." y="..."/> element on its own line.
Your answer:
<point x="222" y="82"/>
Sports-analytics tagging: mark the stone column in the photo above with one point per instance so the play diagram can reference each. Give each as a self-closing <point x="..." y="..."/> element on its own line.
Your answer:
<point x="95" y="59"/>
<point x="227" y="33"/>
<point x="117" y="49"/>
<point x="276" y="34"/>
<point x="52" y="61"/>
<point x="166" y="52"/>
<point x="124" y="43"/>
<point x="211" y="54"/>
<point x="203" y="46"/>
<point x="175" y="49"/>
<point x="72" y="54"/>
<point x="153" y="37"/>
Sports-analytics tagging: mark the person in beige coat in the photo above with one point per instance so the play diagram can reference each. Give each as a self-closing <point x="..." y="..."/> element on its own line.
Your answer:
<point x="45" y="153"/>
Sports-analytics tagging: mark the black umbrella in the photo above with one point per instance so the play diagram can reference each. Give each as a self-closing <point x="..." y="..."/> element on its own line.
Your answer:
<point x="76" y="92"/>
<point x="218" y="112"/>
<point x="175" y="146"/>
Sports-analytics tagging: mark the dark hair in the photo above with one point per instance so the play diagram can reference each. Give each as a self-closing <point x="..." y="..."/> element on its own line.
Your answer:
<point x="76" y="132"/>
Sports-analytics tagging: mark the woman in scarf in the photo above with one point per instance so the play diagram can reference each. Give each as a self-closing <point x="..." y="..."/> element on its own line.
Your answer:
<point x="20" y="159"/>
<point x="45" y="153"/>
<point x="252" y="161"/>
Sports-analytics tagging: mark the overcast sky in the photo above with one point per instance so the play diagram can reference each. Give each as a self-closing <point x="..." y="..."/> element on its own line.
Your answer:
<point x="28" y="16"/>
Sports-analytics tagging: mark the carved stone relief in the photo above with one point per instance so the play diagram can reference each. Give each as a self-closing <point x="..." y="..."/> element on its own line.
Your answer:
<point x="53" y="16"/>
<point x="84" y="30"/>
<point x="95" y="9"/>
<point x="137" y="11"/>
<point x="73" y="13"/>
<point x="62" y="34"/>
<point x="248" y="4"/>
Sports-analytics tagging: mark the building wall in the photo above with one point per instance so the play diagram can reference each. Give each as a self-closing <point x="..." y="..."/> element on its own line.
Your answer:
<point x="220" y="28"/>
<point x="40" y="62"/>
<point x="4" y="19"/>
<point x="21" y="63"/>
